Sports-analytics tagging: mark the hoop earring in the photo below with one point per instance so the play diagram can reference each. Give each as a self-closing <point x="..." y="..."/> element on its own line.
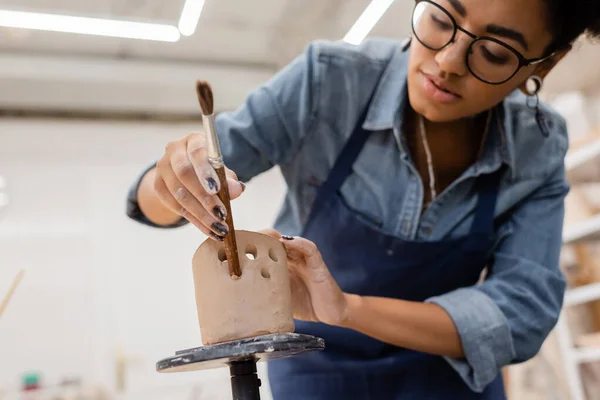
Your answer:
<point x="536" y="82"/>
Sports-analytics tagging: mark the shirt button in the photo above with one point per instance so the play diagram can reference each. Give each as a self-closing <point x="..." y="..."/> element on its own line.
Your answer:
<point x="427" y="230"/>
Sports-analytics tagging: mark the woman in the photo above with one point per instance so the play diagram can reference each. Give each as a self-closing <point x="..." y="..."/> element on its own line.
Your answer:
<point x="410" y="169"/>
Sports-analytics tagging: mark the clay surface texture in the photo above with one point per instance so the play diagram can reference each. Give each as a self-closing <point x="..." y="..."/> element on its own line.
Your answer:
<point x="258" y="303"/>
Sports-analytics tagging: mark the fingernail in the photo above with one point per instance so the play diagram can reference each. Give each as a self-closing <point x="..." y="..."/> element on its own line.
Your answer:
<point x="212" y="185"/>
<point x="243" y="186"/>
<point x="286" y="237"/>
<point x="220" y="228"/>
<point x="217" y="237"/>
<point x="219" y="212"/>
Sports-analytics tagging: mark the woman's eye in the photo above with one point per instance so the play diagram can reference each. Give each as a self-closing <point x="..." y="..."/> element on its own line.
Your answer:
<point x="441" y="23"/>
<point x="499" y="59"/>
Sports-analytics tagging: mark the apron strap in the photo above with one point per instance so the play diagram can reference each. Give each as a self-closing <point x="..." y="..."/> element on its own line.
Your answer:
<point x="343" y="165"/>
<point x="487" y="187"/>
<point x="345" y="160"/>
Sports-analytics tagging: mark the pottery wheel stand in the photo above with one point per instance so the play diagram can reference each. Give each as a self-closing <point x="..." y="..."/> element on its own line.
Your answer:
<point x="241" y="357"/>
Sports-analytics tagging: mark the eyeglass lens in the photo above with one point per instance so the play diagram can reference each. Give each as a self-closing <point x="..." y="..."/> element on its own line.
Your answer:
<point x="487" y="60"/>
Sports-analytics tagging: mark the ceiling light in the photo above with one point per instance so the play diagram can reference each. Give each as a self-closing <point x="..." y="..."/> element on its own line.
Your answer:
<point x="367" y="21"/>
<point x="190" y="16"/>
<point x="89" y="26"/>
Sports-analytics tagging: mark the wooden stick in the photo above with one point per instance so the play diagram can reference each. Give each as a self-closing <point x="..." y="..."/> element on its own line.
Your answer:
<point x="231" y="250"/>
<point x="11" y="291"/>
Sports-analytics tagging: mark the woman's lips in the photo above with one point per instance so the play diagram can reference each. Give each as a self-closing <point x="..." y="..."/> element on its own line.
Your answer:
<point x="436" y="91"/>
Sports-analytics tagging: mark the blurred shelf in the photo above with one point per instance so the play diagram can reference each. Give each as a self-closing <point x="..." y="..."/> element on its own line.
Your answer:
<point x="582" y="294"/>
<point x="584" y="231"/>
<point x="587" y="355"/>
<point x="583" y="155"/>
<point x="589" y="340"/>
<point x="583" y="163"/>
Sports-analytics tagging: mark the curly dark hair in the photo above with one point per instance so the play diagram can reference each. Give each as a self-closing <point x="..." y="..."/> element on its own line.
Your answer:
<point x="569" y="19"/>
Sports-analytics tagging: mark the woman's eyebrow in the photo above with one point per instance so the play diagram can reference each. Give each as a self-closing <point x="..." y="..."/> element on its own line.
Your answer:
<point x="493" y="29"/>
<point x="508" y="33"/>
<point x="458" y="7"/>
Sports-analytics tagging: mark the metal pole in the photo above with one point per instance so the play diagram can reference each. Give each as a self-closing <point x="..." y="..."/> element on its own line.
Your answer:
<point x="245" y="384"/>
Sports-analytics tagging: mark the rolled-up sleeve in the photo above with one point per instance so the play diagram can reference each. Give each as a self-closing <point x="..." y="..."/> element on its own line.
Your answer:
<point x="266" y="130"/>
<point x="506" y="318"/>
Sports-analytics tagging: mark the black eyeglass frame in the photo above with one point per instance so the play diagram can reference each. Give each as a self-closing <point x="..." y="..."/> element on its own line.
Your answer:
<point x="523" y="62"/>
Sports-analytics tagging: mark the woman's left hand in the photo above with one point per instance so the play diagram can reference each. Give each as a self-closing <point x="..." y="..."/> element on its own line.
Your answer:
<point x="316" y="296"/>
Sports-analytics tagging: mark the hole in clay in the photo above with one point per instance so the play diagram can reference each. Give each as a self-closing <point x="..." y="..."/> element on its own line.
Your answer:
<point x="272" y="255"/>
<point x="251" y="252"/>
<point x="265" y="273"/>
<point x="221" y="255"/>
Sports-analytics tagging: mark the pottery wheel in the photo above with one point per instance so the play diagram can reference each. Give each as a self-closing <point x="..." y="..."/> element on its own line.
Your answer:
<point x="259" y="348"/>
<point x="241" y="357"/>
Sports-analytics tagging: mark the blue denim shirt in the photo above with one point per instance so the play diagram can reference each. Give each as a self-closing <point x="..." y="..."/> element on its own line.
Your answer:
<point x="302" y="117"/>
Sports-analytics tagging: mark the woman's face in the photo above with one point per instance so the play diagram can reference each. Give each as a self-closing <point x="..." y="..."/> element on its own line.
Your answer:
<point x="518" y="23"/>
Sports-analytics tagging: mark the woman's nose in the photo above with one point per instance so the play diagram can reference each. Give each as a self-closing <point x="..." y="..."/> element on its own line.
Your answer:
<point x="452" y="58"/>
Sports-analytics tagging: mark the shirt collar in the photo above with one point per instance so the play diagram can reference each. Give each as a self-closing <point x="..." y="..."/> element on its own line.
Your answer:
<point x="391" y="95"/>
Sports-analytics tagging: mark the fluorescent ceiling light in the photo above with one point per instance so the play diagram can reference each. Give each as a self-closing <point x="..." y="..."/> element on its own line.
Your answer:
<point x="367" y="21"/>
<point x="89" y="26"/>
<point x="190" y="16"/>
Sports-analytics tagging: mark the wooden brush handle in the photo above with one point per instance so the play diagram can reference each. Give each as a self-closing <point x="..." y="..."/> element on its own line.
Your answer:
<point x="231" y="250"/>
<point x="11" y="292"/>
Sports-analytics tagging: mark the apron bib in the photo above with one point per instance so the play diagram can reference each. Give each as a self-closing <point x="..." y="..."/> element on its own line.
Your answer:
<point x="366" y="261"/>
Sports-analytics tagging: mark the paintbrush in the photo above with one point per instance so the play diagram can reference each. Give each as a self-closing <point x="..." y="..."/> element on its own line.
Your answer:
<point x="206" y="100"/>
<point x="11" y="291"/>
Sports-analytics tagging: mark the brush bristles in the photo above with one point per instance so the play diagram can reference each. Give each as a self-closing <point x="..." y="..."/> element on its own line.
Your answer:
<point x="205" y="97"/>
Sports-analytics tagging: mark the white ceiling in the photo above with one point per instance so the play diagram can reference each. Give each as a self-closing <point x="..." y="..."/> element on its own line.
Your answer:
<point x="233" y="36"/>
<point x="264" y="32"/>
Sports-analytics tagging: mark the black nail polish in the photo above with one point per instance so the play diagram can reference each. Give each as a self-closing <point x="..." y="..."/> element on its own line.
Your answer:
<point x="212" y="184"/>
<point x="220" y="228"/>
<point x="243" y="186"/>
<point x="217" y="237"/>
<point x="219" y="212"/>
<point x="286" y="237"/>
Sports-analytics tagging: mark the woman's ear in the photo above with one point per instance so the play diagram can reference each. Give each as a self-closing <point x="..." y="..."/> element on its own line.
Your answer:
<point x="544" y="68"/>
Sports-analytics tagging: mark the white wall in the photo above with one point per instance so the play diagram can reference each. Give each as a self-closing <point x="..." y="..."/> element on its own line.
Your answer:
<point x="96" y="282"/>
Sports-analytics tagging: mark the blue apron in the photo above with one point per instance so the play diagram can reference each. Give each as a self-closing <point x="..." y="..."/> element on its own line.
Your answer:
<point x="368" y="262"/>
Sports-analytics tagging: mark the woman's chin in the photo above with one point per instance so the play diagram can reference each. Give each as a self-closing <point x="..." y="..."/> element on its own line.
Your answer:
<point x="432" y="113"/>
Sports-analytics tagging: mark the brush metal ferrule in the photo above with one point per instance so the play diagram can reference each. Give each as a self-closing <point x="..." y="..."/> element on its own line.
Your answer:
<point x="214" y="150"/>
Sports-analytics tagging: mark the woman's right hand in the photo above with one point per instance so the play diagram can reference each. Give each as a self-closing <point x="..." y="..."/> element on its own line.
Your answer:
<point x="187" y="184"/>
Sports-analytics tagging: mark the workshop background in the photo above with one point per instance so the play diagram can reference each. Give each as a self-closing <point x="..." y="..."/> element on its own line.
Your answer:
<point x="81" y="114"/>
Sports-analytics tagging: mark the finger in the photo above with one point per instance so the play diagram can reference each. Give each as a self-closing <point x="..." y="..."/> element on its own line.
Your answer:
<point x="301" y="299"/>
<point x="186" y="174"/>
<point x="236" y="188"/>
<point x="198" y="157"/>
<point x="169" y="201"/>
<point x="231" y="174"/>
<point x="187" y="202"/>
<point x="303" y="246"/>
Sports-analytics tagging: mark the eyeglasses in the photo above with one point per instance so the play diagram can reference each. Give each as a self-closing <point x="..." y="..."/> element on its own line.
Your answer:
<point x="487" y="58"/>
